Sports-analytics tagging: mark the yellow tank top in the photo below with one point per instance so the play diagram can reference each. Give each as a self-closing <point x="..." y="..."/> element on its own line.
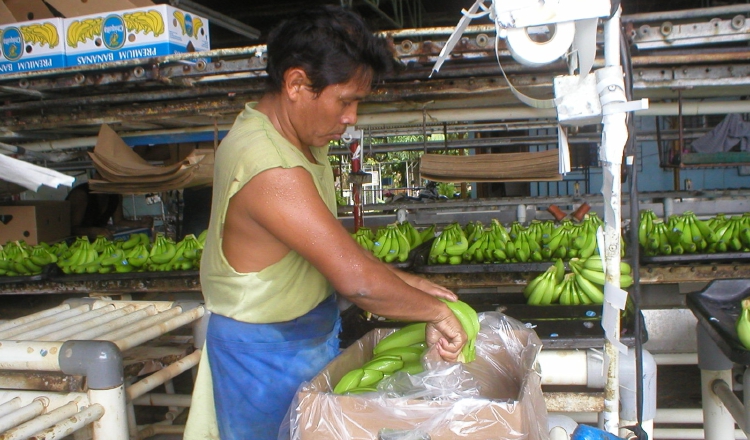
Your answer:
<point x="289" y="288"/>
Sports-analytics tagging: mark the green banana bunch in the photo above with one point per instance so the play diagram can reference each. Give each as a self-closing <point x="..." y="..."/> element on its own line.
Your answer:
<point x="406" y="336"/>
<point x="410" y="232"/>
<point x="137" y="256"/>
<point x="467" y="316"/>
<point x="364" y="237"/>
<point x="427" y="233"/>
<point x="99" y="243"/>
<point x="449" y="246"/>
<point x="645" y="226"/>
<point x="163" y="250"/>
<point x="202" y="237"/>
<point x="593" y="271"/>
<point x="743" y="324"/>
<point x="541" y="290"/>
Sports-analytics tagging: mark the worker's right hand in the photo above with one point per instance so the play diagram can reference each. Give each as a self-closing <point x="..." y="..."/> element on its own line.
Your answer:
<point x="447" y="336"/>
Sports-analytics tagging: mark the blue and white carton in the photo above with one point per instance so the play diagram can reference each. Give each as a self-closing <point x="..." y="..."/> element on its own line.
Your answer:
<point x="133" y="33"/>
<point x="32" y="45"/>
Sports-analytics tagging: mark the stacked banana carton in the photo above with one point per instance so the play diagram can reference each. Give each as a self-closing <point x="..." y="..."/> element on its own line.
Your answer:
<point x="33" y="38"/>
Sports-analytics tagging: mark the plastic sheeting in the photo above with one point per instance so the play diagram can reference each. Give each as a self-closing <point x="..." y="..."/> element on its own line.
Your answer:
<point x="498" y="395"/>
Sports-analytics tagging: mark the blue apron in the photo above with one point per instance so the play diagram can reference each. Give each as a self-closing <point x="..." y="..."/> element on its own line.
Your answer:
<point x="257" y="368"/>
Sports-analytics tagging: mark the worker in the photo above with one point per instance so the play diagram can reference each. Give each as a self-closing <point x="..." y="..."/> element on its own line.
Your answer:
<point x="275" y="252"/>
<point x="98" y="214"/>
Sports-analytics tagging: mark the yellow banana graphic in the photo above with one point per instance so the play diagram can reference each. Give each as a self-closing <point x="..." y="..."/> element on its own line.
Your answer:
<point x="197" y="24"/>
<point x="157" y="23"/>
<point x="180" y="19"/>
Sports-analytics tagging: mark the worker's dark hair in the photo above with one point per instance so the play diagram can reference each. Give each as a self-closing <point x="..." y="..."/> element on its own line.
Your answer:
<point x="331" y="44"/>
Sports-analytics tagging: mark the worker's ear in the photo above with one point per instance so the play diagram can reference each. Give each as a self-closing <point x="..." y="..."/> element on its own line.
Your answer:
<point x="295" y="80"/>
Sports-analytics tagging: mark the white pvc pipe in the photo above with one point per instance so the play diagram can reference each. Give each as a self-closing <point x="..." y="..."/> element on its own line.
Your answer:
<point x="154" y="380"/>
<point x="692" y="434"/>
<point x="676" y="359"/>
<point x="139" y="325"/>
<point x="42" y="422"/>
<point x="10" y="406"/>
<point x="72" y="331"/>
<point x="33" y="317"/>
<point x="731" y="402"/>
<point x="152" y="430"/>
<point x="117" y="324"/>
<point x="563" y="367"/>
<point x="158" y="399"/>
<point x="72" y="424"/>
<point x="113" y="425"/>
<point x="158" y="330"/>
<point x="29" y="355"/>
<point x="558" y="433"/>
<point x="717" y="421"/>
<point x="23" y="414"/>
<point x="161" y="306"/>
<point x="75" y="320"/>
<point x="51" y="319"/>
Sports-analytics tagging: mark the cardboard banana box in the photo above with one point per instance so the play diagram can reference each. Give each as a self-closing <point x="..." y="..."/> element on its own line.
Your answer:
<point x="510" y="405"/>
<point x="133" y="33"/>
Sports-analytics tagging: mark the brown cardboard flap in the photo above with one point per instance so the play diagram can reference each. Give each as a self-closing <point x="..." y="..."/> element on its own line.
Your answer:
<point x="25" y="10"/>
<point x="6" y="16"/>
<point x="75" y="8"/>
<point x="142" y="3"/>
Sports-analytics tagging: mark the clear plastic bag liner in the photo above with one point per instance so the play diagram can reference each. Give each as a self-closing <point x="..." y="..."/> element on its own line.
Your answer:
<point x="499" y="395"/>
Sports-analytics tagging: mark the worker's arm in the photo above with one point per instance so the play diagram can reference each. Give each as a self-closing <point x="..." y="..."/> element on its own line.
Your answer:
<point x="286" y="203"/>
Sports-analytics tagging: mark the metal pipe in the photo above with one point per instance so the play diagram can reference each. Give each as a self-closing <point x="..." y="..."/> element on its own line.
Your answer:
<point x="23" y="414"/>
<point x="158" y="378"/>
<point x="687" y="13"/>
<point x="41" y="422"/>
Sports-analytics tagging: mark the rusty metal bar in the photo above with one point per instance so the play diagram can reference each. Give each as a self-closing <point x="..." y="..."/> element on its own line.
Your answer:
<point x="686" y="14"/>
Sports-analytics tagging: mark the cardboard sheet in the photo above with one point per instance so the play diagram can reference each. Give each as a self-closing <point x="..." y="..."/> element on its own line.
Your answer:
<point x="74" y="8"/>
<point x="122" y="171"/>
<point x="502" y="167"/>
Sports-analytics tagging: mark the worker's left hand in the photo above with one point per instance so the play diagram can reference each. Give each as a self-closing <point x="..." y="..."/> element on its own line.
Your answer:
<point x="429" y="287"/>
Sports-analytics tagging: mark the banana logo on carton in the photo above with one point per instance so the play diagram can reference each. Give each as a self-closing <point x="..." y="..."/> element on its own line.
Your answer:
<point x="189" y="25"/>
<point x="41" y="33"/>
<point x="12" y="43"/>
<point x="113" y="32"/>
<point x="145" y="21"/>
<point x="79" y="31"/>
